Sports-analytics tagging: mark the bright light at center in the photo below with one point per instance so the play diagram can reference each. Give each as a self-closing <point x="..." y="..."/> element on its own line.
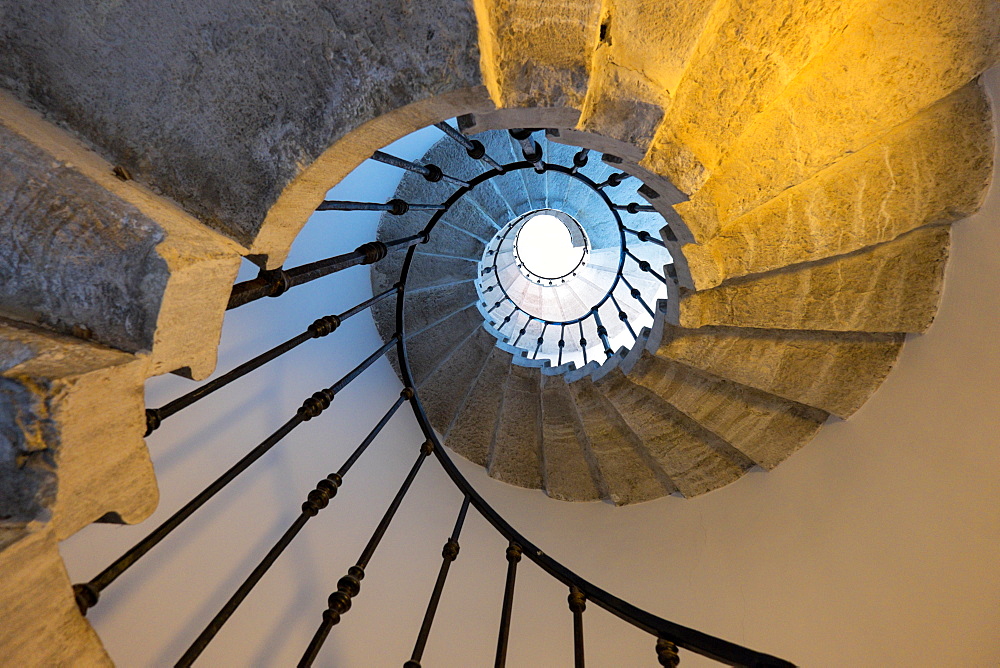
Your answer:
<point x="546" y="248"/>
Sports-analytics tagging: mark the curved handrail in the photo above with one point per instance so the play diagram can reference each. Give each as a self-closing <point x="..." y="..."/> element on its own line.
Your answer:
<point x="685" y="637"/>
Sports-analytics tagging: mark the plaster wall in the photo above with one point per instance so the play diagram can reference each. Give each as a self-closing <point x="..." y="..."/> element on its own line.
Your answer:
<point x="875" y="545"/>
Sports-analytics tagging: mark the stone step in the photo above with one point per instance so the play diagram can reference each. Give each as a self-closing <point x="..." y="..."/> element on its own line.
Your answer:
<point x="103" y="259"/>
<point x="627" y="474"/>
<point x="568" y="473"/>
<point x="466" y="215"/>
<point x="515" y="454"/>
<point x="891" y="287"/>
<point x="765" y="428"/>
<point x="695" y="460"/>
<point x="832" y="371"/>
<point x="471" y="433"/>
<point x="430" y="347"/>
<point x="445" y="389"/>
<point x="72" y="420"/>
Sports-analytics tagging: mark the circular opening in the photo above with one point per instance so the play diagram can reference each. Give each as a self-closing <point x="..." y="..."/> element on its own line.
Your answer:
<point x="546" y="248"/>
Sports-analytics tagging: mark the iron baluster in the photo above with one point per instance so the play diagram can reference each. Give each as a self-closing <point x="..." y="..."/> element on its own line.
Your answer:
<point x="513" y="556"/>
<point x="317" y="500"/>
<point x="562" y="343"/>
<point x="645" y="236"/>
<point x="579" y="160"/>
<point x="350" y="585"/>
<point x="448" y="554"/>
<point x="666" y="653"/>
<point x="319" y="328"/>
<point x="634" y="207"/>
<point x="577" y="604"/>
<point x="623" y="316"/>
<point x="523" y="330"/>
<point x="530" y="149"/>
<point x="614" y="180"/>
<point x="430" y="172"/>
<point x="275" y="282"/>
<point x="637" y="295"/>
<point x="603" y="333"/>
<point x="644" y="266"/>
<point x="583" y="343"/>
<point x="473" y="147"/>
<point x="87" y="594"/>
<point x="541" y="339"/>
<point x="396" y="207"/>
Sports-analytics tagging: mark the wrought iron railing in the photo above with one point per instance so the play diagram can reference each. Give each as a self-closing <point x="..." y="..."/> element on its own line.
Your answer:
<point x="667" y="638"/>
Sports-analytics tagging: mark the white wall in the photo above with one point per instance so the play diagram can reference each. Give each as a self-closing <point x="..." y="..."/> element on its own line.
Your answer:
<point x="878" y="544"/>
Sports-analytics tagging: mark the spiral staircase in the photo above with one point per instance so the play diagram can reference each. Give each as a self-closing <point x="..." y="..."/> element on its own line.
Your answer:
<point x="804" y="217"/>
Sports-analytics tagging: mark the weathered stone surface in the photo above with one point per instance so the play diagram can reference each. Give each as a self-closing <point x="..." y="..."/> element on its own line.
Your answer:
<point x="92" y="256"/>
<point x="865" y="82"/>
<point x="627" y="473"/>
<point x="833" y="371"/>
<point x="193" y="127"/>
<point x="446" y="388"/>
<point x="622" y="105"/>
<point x="695" y="460"/>
<point x="567" y="473"/>
<point x="515" y="456"/>
<point x="934" y="168"/>
<point x="764" y="427"/>
<point x="746" y="57"/>
<point x="429" y="347"/>
<point x="71" y="425"/>
<point x="464" y="214"/>
<point x="554" y="71"/>
<point x="471" y="434"/>
<point x="892" y="287"/>
<point x="427" y="271"/>
<point x="41" y="623"/>
<point x="428" y="306"/>
<point x="488" y="198"/>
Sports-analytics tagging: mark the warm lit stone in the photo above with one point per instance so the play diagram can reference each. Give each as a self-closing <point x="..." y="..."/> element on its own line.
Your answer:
<point x="515" y="456"/>
<point x="565" y="459"/>
<point x="41" y="623"/>
<point x="555" y="71"/>
<point x="444" y="391"/>
<point x="935" y="168"/>
<point x="893" y="287"/>
<point x="695" y="460"/>
<point x="72" y="423"/>
<point x="765" y="428"/>
<point x="626" y="470"/>
<point x="833" y="371"/>
<point x="869" y="79"/>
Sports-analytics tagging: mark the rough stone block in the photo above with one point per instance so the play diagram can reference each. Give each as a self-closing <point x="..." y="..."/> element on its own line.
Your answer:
<point x="426" y="307"/>
<point x="627" y="472"/>
<point x="833" y="371"/>
<point x="446" y="388"/>
<point x="41" y="623"/>
<point x="71" y="426"/>
<point x="554" y="71"/>
<point x="102" y="259"/>
<point x="465" y="215"/>
<point x="426" y="349"/>
<point x="471" y="434"/>
<point x="192" y="127"/>
<point x="865" y="82"/>
<point x="567" y="472"/>
<point x="934" y="168"/>
<point x="695" y="460"/>
<point x="428" y="271"/>
<point x="764" y="427"/>
<point x="892" y="287"/>
<point x="515" y="456"/>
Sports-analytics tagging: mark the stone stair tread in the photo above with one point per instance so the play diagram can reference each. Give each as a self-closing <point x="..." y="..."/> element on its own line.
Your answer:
<point x="430" y="347"/>
<point x="472" y="431"/>
<point x="832" y="371"/>
<point x="764" y="427"/>
<point x="694" y="459"/>
<point x="515" y="454"/>
<point x="444" y="390"/>
<point x="626" y="472"/>
<point x="567" y="473"/>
